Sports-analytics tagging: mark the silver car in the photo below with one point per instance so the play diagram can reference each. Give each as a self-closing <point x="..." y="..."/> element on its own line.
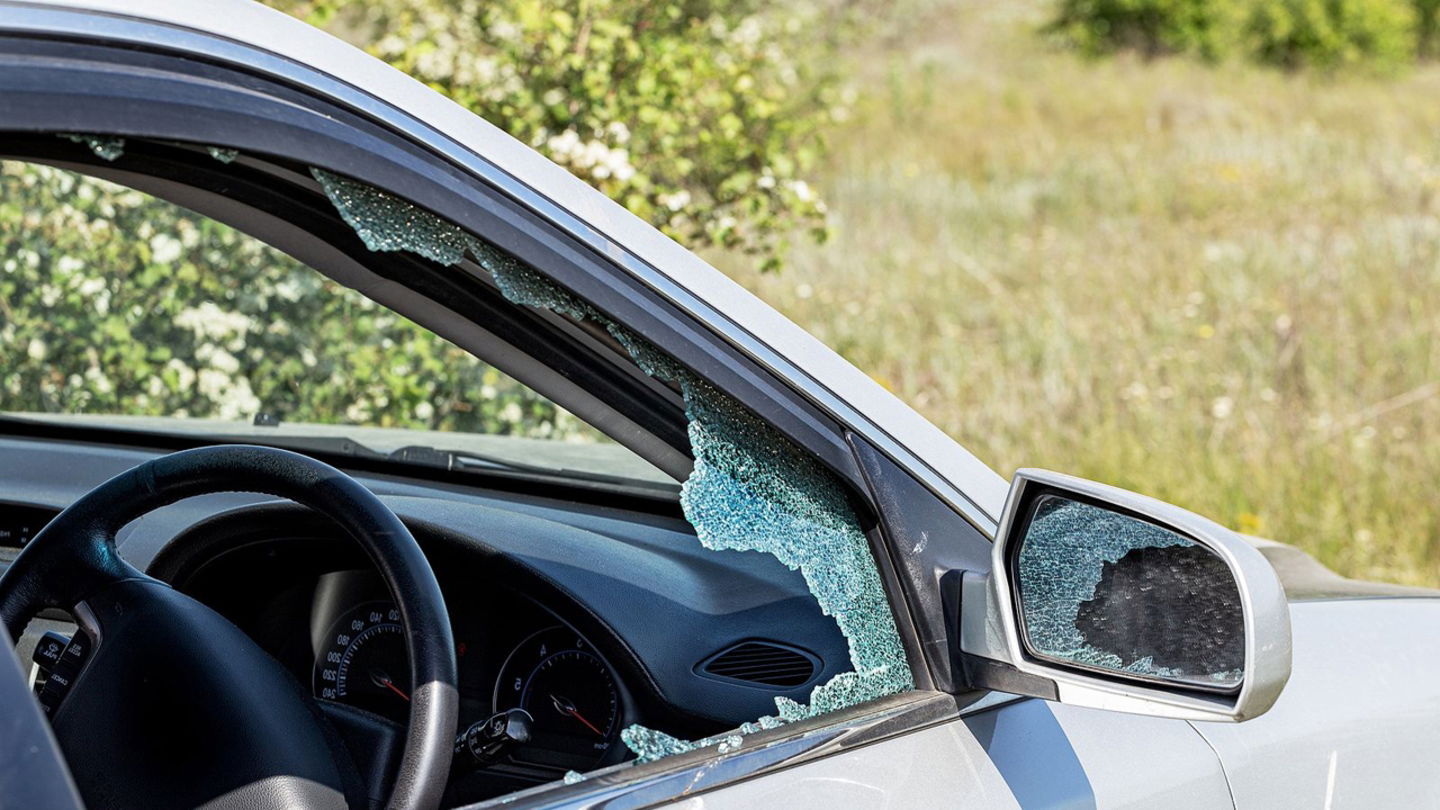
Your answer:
<point x="772" y="584"/>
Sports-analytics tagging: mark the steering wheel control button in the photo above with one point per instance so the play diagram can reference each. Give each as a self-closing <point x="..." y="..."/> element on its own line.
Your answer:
<point x="66" y="666"/>
<point x="54" y="690"/>
<point x="49" y="649"/>
<point x="77" y="649"/>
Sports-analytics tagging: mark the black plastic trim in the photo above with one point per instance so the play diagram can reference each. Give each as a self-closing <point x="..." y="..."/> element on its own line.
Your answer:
<point x="705" y="667"/>
<point x="925" y="540"/>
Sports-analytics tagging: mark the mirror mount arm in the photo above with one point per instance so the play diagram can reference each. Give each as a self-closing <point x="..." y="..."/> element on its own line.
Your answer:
<point x="982" y="656"/>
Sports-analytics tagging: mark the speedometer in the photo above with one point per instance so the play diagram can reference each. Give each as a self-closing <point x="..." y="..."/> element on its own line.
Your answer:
<point x="364" y="663"/>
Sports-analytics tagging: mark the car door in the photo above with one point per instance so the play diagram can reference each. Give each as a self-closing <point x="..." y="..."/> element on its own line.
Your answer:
<point x="279" y="91"/>
<point x="1021" y="754"/>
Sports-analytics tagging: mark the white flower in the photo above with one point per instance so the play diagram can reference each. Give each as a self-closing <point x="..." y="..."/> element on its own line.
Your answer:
<point x="434" y="64"/>
<point x="36" y="350"/>
<point x="233" y="397"/>
<point x="90" y="286"/>
<point x="165" y="248"/>
<point x="289" y="289"/>
<point x="209" y="320"/>
<point x="68" y="264"/>
<point x="239" y="401"/>
<point x="511" y="414"/>
<point x="98" y="381"/>
<point x="675" y="201"/>
<point x="562" y="146"/>
<point x="424" y="411"/>
<point x="184" y="375"/>
<point x="748" y="32"/>
<point x="619" y="165"/>
<point x="224" y="361"/>
<point x="358" y="412"/>
<point x="1222" y="407"/>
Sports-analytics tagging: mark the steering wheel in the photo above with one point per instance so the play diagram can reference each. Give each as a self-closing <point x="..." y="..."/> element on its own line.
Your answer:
<point x="175" y="707"/>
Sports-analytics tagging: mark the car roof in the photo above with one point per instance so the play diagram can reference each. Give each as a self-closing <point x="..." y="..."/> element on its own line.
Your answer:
<point x="850" y="395"/>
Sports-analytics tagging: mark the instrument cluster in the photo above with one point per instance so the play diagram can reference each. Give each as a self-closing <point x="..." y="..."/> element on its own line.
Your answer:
<point x="513" y="654"/>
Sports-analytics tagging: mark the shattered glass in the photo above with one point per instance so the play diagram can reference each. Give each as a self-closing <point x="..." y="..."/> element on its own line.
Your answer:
<point x="1105" y="590"/>
<point x="750" y="488"/>
<point x="223" y="155"/>
<point x="107" y="147"/>
<point x="387" y="223"/>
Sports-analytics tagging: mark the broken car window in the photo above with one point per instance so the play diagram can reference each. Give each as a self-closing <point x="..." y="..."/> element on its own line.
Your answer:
<point x="750" y="489"/>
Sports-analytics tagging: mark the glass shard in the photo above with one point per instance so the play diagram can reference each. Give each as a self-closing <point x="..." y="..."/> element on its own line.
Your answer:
<point x="385" y="222"/>
<point x="751" y="489"/>
<point x="107" y="147"/>
<point x="1109" y="591"/>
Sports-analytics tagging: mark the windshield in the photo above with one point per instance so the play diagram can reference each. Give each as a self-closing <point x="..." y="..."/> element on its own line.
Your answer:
<point x="127" y="312"/>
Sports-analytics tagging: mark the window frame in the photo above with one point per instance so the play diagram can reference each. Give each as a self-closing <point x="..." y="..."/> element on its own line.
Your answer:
<point x="243" y="98"/>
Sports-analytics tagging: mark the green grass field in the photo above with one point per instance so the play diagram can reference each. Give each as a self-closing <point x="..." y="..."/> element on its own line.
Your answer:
<point x="1218" y="286"/>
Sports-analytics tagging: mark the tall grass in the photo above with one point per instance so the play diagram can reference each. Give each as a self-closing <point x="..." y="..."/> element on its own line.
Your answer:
<point x="1219" y="286"/>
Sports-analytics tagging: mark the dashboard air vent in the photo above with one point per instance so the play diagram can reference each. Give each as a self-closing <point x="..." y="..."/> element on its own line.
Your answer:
<point x="762" y="662"/>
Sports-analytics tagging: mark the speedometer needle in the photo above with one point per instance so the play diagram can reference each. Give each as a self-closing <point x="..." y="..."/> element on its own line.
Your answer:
<point x="384" y="680"/>
<point x="564" y="706"/>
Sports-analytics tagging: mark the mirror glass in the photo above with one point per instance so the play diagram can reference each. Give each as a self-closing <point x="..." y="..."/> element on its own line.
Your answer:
<point x="1107" y="591"/>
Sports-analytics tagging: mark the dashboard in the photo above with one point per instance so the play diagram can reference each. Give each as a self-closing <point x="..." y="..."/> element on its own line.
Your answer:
<point x="326" y="615"/>
<point x="588" y="616"/>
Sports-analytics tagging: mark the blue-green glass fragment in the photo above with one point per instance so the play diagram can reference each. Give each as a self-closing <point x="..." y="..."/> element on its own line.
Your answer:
<point x="107" y="147"/>
<point x="751" y="489"/>
<point x="385" y="222"/>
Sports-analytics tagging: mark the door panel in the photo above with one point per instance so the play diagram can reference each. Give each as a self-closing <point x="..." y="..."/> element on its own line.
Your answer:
<point x="1028" y="754"/>
<point x="1358" y="725"/>
<point x="1136" y="761"/>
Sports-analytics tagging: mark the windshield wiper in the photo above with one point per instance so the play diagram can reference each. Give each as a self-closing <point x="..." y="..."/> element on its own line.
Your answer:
<point x="463" y="460"/>
<point x="419" y="454"/>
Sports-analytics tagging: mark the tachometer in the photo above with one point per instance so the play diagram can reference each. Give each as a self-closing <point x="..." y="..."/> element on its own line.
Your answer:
<point x="569" y="691"/>
<point x="364" y="662"/>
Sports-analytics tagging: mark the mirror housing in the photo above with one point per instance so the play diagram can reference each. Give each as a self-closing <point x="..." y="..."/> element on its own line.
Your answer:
<point x="1101" y="597"/>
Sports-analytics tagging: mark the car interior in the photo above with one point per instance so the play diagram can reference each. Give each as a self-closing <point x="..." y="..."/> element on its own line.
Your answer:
<point x="576" y="591"/>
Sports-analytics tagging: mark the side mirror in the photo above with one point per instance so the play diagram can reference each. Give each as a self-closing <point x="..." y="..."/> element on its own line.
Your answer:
<point x="1101" y="597"/>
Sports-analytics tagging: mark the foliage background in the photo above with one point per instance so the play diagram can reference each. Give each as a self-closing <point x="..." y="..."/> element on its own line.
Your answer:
<point x="1171" y="267"/>
<point x="1218" y="284"/>
<point x="702" y="117"/>
<point x="1372" y="35"/>
<point x="115" y="302"/>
